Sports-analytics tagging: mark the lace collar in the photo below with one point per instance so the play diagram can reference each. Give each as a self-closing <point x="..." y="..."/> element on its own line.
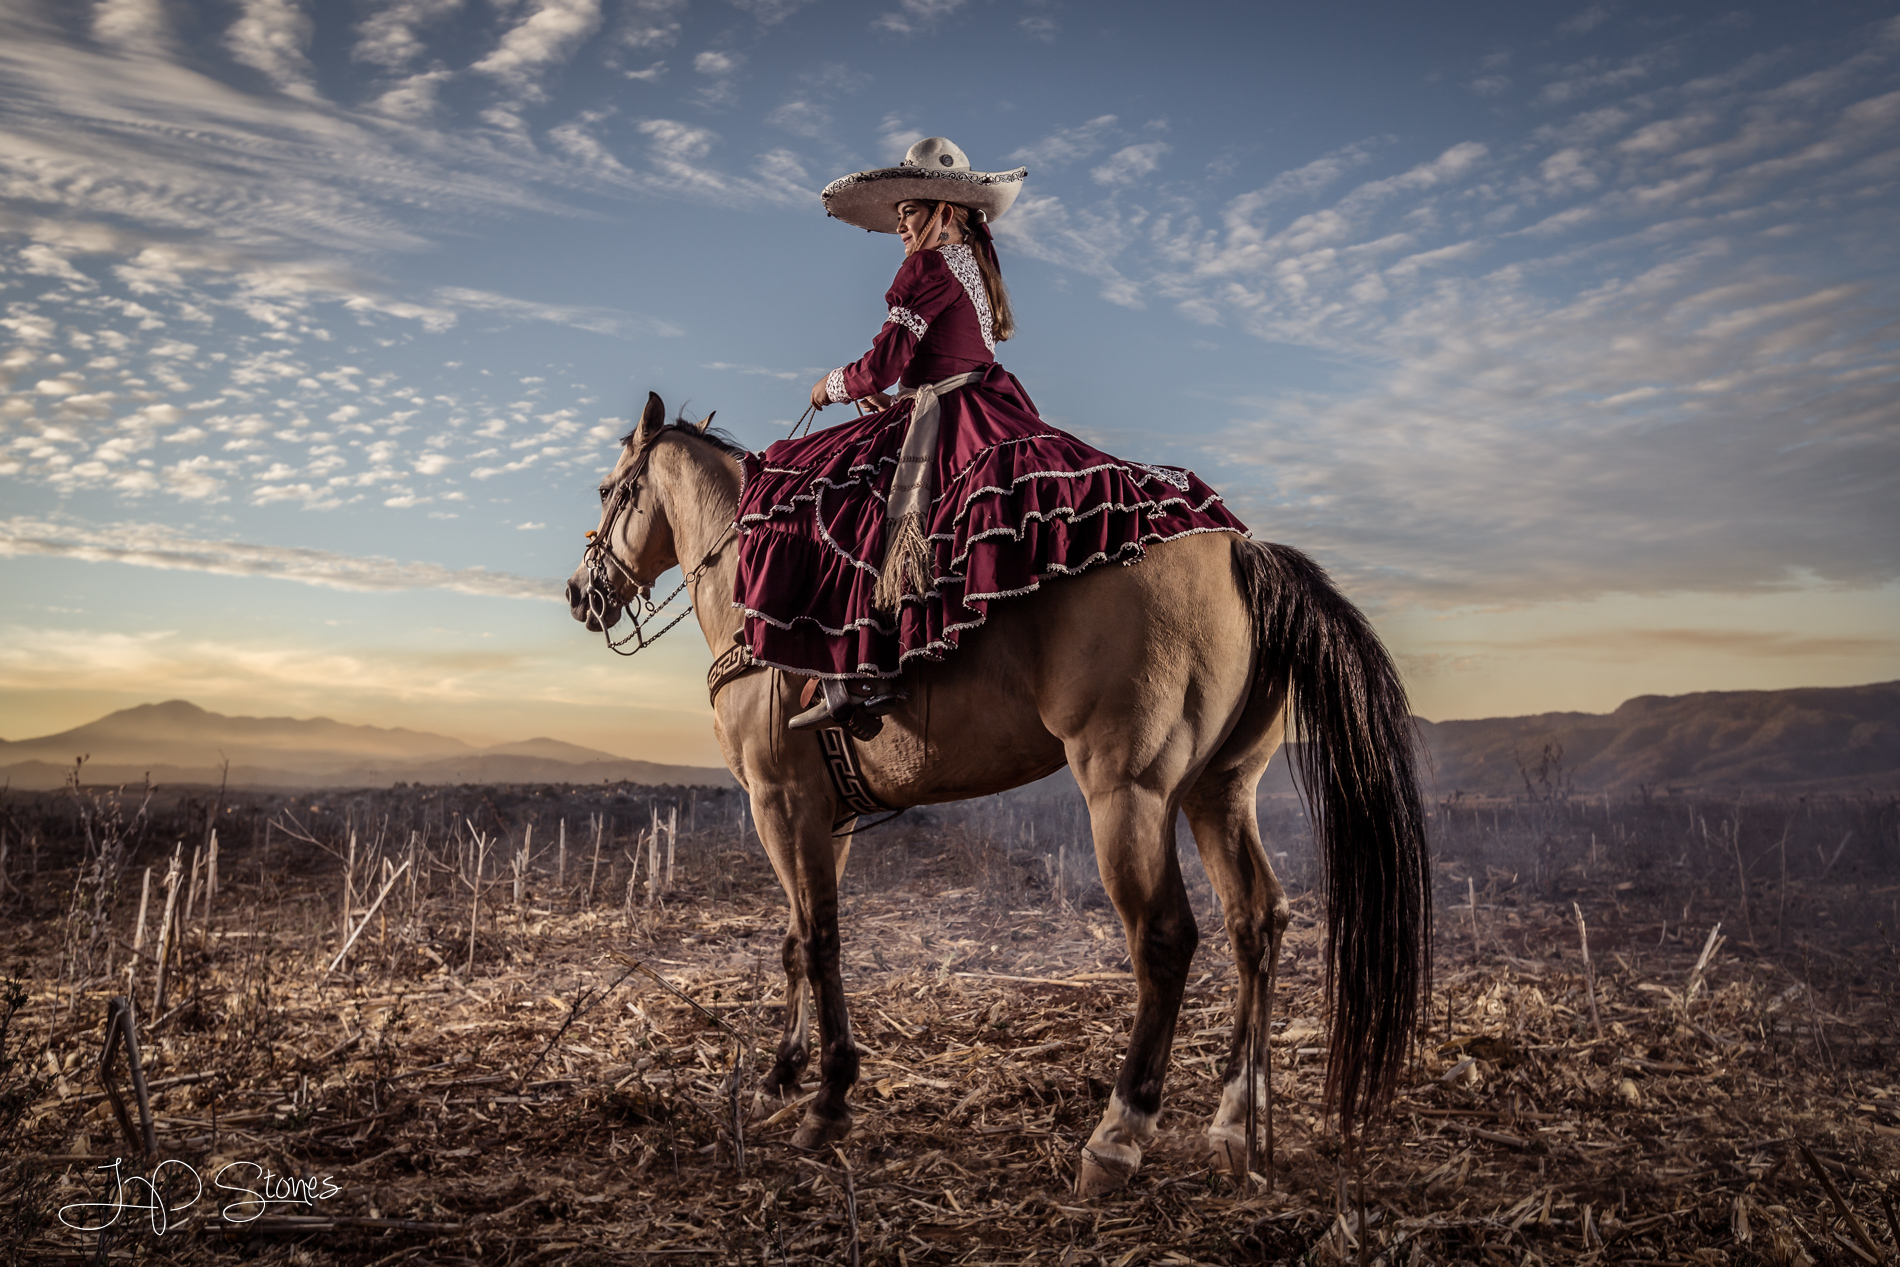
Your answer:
<point x="963" y="266"/>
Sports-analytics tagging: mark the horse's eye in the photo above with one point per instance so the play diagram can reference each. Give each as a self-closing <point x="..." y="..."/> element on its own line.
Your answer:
<point x="603" y="494"/>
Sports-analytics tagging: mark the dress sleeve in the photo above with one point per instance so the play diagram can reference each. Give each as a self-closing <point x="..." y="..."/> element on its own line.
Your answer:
<point x="923" y="289"/>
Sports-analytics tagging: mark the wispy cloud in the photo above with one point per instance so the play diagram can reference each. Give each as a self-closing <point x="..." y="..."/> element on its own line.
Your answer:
<point x="769" y="12"/>
<point x="915" y="17"/>
<point x="216" y="669"/>
<point x="135" y="25"/>
<point x="1585" y="21"/>
<point x="1769" y="644"/>
<point x="271" y="36"/>
<point x="545" y="38"/>
<point x="156" y="546"/>
<point x="1131" y="163"/>
<point x="1068" y="145"/>
<point x="391" y="36"/>
<point x="1615" y="356"/>
<point x="760" y="371"/>
<point x="650" y="24"/>
<point x="1039" y="27"/>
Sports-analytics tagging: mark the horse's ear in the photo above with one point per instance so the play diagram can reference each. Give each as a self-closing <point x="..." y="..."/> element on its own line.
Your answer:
<point x="652" y="418"/>
<point x="706" y="422"/>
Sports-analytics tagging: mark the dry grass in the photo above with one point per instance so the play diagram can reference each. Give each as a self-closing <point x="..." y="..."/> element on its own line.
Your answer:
<point x="1758" y="1121"/>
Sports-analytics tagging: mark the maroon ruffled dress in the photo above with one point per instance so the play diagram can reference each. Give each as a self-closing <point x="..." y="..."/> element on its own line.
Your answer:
<point x="1016" y="502"/>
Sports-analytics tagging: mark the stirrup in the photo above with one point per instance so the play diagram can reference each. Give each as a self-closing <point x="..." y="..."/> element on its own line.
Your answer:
<point x="887" y="694"/>
<point x="839" y="706"/>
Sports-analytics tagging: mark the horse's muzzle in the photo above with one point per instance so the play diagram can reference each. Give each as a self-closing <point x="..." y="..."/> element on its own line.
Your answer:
<point x="590" y="602"/>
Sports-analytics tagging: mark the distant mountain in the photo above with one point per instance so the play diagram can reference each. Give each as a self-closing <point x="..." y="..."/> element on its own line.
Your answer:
<point x="178" y="742"/>
<point x="1845" y="738"/>
<point x="1818" y="738"/>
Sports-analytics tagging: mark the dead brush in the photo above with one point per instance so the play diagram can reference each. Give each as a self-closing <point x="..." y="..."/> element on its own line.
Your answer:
<point x="108" y="838"/>
<point x="25" y="1184"/>
<point x="1002" y="878"/>
<point x="990" y="1034"/>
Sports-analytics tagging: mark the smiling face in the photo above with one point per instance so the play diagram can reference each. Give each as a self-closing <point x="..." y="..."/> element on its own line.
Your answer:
<point x="918" y="224"/>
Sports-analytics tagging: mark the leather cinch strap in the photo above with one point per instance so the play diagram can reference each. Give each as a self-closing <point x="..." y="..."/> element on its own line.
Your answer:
<point x="847" y="780"/>
<point x="841" y="755"/>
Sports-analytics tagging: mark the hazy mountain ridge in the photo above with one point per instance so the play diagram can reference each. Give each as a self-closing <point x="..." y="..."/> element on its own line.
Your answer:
<point x="178" y="742"/>
<point x="1805" y="738"/>
<point x="1818" y="738"/>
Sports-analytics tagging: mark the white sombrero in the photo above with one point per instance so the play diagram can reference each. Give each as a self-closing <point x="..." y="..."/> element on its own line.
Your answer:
<point x="933" y="171"/>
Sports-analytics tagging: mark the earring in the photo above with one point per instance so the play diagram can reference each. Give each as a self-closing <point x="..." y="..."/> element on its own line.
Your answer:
<point x="943" y="235"/>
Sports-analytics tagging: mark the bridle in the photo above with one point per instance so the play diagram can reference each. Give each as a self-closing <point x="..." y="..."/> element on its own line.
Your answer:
<point x="622" y="498"/>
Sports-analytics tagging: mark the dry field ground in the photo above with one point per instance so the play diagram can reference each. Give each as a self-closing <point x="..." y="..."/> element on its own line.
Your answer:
<point x="488" y="1077"/>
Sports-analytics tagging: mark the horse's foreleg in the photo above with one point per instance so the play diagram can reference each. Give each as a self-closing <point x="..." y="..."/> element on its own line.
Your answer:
<point x="1134" y="846"/>
<point x="794" y="1048"/>
<point x="793" y="1051"/>
<point x="797" y="832"/>
<point x="1220" y="809"/>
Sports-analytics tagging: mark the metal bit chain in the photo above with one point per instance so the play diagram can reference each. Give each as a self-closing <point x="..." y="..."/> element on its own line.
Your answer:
<point x="601" y="562"/>
<point x="598" y="591"/>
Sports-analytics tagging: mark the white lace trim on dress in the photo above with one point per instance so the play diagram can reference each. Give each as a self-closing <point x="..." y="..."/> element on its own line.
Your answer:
<point x="1167" y="475"/>
<point x="909" y="320"/>
<point x="963" y="266"/>
<point x="835" y="388"/>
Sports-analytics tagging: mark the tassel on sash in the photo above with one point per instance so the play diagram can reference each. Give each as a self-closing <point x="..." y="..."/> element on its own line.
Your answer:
<point x="906" y="546"/>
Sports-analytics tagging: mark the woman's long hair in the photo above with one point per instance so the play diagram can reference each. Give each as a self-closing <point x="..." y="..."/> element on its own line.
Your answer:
<point x="955" y="215"/>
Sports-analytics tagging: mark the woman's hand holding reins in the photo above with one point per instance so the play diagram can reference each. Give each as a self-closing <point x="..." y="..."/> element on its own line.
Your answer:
<point x="821" y="396"/>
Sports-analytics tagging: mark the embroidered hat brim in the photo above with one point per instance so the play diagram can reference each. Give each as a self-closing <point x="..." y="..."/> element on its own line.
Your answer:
<point x="869" y="199"/>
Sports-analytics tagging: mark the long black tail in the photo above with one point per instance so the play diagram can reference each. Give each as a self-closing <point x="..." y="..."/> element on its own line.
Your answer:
<point x="1354" y="765"/>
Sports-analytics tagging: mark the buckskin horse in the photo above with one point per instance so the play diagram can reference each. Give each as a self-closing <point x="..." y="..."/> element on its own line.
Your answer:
<point x="1165" y="687"/>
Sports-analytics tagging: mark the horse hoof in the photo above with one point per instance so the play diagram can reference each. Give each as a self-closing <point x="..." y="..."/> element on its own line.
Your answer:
<point x="782" y="1081"/>
<point x="1099" y="1175"/>
<point x="815" y="1132"/>
<point x="1230" y="1153"/>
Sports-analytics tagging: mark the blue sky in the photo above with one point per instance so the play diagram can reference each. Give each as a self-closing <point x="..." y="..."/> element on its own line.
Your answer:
<point x="1564" y="334"/>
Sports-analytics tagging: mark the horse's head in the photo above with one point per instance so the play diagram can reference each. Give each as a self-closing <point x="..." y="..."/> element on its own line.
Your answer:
<point x="634" y="543"/>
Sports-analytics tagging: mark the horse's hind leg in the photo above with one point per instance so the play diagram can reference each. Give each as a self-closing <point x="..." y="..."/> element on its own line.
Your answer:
<point x="1134" y="846"/>
<point x="1220" y="810"/>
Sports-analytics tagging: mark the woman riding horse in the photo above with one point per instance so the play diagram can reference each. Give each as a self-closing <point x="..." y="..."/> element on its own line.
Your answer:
<point x="868" y="550"/>
<point x="883" y="541"/>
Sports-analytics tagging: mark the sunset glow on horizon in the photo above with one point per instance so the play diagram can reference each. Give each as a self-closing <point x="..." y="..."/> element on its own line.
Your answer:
<point x="1564" y="337"/>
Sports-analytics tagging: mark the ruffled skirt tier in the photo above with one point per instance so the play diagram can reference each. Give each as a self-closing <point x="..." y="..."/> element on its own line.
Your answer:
<point x="1017" y="503"/>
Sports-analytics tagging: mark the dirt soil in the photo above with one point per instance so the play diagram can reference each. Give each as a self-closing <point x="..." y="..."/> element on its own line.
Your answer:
<point x="550" y="1102"/>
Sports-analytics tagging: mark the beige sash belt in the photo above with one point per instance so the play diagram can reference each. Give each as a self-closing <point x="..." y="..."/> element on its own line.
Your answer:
<point x="906" y="548"/>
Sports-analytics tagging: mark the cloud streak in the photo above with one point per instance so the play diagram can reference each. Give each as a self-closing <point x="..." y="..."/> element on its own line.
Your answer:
<point x="545" y="38"/>
<point x="156" y="546"/>
<point x="270" y="36"/>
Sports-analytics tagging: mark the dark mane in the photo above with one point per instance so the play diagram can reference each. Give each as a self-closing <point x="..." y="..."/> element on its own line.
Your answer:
<point x="718" y="437"/>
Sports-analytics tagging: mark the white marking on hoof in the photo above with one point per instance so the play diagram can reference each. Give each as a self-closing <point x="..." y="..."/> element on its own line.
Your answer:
<point x="1227" y="1133"/>
<point x="1233" y="1105"/>
<point x="1230" y="1150"/>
